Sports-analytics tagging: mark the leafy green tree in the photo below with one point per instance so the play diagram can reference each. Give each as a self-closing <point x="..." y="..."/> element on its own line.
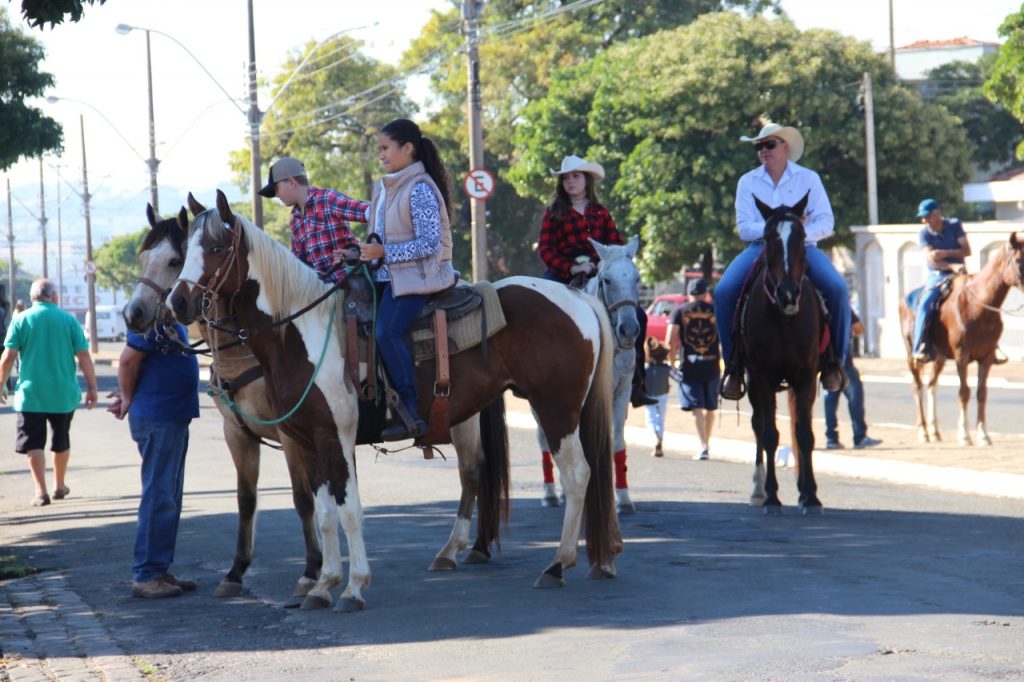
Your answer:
<point x="328" y="117"/>
<point x="117" y="262"/>
<point x="522" y="44"/>
<point x="40" y="12"/>
<point x="1005" y="85"/>
<point x="993" y="130"/>
<point x="24" y="130"/>
<point x="664" y="114"/>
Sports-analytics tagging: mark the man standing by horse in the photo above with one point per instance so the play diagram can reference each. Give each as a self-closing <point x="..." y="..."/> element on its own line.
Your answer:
<point x="693" y="338"/>
<point x="320" y="217"/>
<point x="780" y="181"/>
<point x="945" y="247"/>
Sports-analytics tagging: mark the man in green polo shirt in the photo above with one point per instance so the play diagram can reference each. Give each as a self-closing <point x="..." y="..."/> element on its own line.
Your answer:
<point x="47" y="339"/>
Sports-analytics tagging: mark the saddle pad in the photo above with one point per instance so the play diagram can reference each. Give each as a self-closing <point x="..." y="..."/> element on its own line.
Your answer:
<point x="466" y="331"/>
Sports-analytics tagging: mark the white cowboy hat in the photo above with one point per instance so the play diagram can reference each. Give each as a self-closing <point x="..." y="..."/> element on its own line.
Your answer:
<point x="574" y="163"/>
<point x="790" y="135"/>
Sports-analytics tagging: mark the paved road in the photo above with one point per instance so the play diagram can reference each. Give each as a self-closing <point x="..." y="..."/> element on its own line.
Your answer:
<point x="894" y="582"/>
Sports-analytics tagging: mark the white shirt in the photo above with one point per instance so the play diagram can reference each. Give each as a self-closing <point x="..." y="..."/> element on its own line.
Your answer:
<point x="796" y="181"/>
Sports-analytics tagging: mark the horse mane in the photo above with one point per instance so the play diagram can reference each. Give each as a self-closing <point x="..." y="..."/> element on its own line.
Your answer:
<point x="286" y="283"/>
<point x="169" y="229"/>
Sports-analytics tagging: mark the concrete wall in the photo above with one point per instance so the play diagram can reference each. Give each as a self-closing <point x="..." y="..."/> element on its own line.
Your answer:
<point x="890" y="264"/>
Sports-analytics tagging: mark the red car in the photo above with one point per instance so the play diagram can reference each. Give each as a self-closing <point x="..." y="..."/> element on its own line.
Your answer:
<point x="660" y="312"/>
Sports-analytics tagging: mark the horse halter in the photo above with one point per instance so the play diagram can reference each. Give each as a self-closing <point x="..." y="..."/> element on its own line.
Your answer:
<point x="771" y="285"/>
<point x="214" y="282"/>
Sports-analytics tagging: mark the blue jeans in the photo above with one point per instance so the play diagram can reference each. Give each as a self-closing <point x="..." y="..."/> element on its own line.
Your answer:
<point x="819" y="269"/>
<point x="162" y="446"/>
<point x="396" y="315"/>
<point x="854" y="393"/>
<point x="929" y="296"/>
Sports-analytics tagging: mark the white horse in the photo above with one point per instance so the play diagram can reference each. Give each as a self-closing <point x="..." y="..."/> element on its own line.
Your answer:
<point x="617" y="285"/>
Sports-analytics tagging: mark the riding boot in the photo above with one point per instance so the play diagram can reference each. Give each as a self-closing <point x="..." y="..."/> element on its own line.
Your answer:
<point x="732" y="386"/>
<point x="833" y="376"/>
<point x="407" y="425"/>
<point x="639" y="396"/>
<point x="1001" y="358"/>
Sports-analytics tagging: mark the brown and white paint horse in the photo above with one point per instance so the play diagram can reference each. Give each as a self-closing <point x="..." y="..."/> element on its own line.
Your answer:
<point x="966" y="329"/>
<point x="228" y="257"/>
<point x="161" y="257"/>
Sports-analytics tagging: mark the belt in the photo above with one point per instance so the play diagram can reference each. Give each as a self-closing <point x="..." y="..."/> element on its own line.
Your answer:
<point x="695" y="358"/>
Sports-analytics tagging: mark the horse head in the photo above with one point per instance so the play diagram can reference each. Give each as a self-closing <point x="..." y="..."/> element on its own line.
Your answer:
<point x="784" y="256"/>
<point x="1014" y="274"/>
<point x="617" y="285"/>
<point x="161" y="256"/>
<point x="215" y="263"/>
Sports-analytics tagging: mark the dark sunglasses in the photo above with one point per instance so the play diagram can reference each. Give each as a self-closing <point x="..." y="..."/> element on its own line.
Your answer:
<point x="767" y="144"/>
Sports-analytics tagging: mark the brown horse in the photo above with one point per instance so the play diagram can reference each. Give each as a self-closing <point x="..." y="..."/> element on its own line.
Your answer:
<point x="779" y="342"/>
<point x="161" y="256"/>
<point x="228" y="258"/>
<point x="966" y="329"/>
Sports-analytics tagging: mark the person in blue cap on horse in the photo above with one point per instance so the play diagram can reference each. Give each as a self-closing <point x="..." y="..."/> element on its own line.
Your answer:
<point x="780" y="181"/>
<point x="945" y="247"/>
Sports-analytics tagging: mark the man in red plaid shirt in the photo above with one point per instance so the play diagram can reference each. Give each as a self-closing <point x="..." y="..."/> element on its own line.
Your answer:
<point x="320" y="217"/>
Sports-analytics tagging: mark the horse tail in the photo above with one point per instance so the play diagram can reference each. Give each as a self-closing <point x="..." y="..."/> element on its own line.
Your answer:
<point x="492" y="493"/>
<point x="603" y="537"/>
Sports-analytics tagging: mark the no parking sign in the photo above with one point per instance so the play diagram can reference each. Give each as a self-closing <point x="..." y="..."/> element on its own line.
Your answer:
<point x="479" y="183"/>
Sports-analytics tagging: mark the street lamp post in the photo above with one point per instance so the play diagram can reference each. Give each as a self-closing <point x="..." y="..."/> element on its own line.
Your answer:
<point x="90" y="271"/>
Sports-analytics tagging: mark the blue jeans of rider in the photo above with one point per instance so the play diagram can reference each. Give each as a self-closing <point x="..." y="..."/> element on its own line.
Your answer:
<point x="854" y="393"/>
<point x="396" y="315"/>
<point x="929" y="296"/>
<point x="821" y="272"/>
<point x="162" y="445"/>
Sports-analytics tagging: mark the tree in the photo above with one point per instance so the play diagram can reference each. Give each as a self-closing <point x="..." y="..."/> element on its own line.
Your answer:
<point x="40" y="12"/>
<point x="993" y="130"/>
<point x="24" y="130"/>
<point x="117" y="261"/>
<point x="328" y="117"/>
<point x="1005" y="85"/>
<point x="522" y="44"/>
<point x="664" y="113"/>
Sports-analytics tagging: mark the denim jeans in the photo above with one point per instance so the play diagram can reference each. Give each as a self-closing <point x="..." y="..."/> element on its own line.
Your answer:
<point x="162" y="445"/>
<point x="854" y="393"/>
<point x="396" y="315"/>
<point x="929" y="295"/>
<point x="821" y="272"/>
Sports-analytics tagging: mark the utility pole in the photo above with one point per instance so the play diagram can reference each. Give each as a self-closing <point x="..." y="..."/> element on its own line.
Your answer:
<point x="892" y="42"/>
<point x="10" y="246"/>
<point x="90" y="277"/>
<point x="60" y="243"/>
<point x="869" y="129"/>
<point x="42" y="217"/>
<point x="478" y="207"/>
<point x="254" y="127"/>
<point x="154" y="197"/>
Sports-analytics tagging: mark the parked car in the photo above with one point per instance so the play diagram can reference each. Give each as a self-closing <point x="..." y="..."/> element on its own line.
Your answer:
<point x="110" y="324"/>
<point x="660" y="312"/>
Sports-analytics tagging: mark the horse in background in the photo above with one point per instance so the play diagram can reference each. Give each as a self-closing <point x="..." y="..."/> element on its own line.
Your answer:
<point x="161" y="257"/>
<point x="966" y="329"/>
<point x="229" y="258"/>
<point x="780" y="340"/>
<point x="616" y="284"/>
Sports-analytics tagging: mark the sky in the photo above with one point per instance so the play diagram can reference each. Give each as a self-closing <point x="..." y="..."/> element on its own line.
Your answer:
<point x="101" y="76"/>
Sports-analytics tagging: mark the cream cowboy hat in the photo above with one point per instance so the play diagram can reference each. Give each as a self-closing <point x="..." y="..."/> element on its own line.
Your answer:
<point x="572" y="163"/>
<point x="790" y="135"/>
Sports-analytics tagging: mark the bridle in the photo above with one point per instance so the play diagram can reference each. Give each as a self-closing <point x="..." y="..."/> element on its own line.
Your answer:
<point x="771" y="285"/>
<point x="611" y="307"/>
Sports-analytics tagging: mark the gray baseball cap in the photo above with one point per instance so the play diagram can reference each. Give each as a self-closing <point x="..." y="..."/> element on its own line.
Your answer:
<point x="282" y="169"/>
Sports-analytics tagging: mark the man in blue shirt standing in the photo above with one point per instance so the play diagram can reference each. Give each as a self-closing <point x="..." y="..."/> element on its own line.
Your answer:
<point x="945" y="247"/>
<point x="158" y="389"/>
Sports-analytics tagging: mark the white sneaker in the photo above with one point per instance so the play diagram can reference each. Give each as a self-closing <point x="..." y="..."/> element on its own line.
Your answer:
<point x="702" y="456"/>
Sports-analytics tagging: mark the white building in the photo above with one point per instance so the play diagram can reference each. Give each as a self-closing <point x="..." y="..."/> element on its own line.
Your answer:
<point x="915" y="60"/>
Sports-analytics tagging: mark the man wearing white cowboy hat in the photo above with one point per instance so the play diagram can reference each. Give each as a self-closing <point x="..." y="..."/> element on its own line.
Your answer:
<point x="780" y="181"/>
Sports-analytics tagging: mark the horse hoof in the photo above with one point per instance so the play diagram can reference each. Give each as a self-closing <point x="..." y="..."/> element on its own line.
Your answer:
<point x="349" y="605"/>
<point x="442" y="563"/>
<point x="813" y="510"/>
<point x="546" y="581"/>
<point x="600" y="573"/>
<point x="303" y="587"/>
<point x="476" y="557"/>
<point x="226" y="588"/>
<point x="313" y="602"/>
<point x="625" y="508"/>
<point x="757" y="500"/>
<point x="773" y="510"/>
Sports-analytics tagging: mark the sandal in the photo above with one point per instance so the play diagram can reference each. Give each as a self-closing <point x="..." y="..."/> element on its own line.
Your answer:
<point x="41" y="500"/>
<point x="61" y="492"/>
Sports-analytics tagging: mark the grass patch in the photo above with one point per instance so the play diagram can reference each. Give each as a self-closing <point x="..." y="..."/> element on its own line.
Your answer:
<point x="12" y="567"/>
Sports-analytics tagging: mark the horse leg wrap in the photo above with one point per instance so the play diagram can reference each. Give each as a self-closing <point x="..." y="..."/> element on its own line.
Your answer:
<point x="620" y="470"/>
<point x="548" y="465"/>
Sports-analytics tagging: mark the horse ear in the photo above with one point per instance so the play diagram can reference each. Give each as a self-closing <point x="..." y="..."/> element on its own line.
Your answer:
<point x="151" y="215"/>
<point x="183" y="219"/>
<point x="801" y="205"/>
<point x="224" y="209"/>
<point x="765" y="209"/>
<point x="600" y="248"/>
<point x="194" y="205"/>
<point x="632" y="246"/>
